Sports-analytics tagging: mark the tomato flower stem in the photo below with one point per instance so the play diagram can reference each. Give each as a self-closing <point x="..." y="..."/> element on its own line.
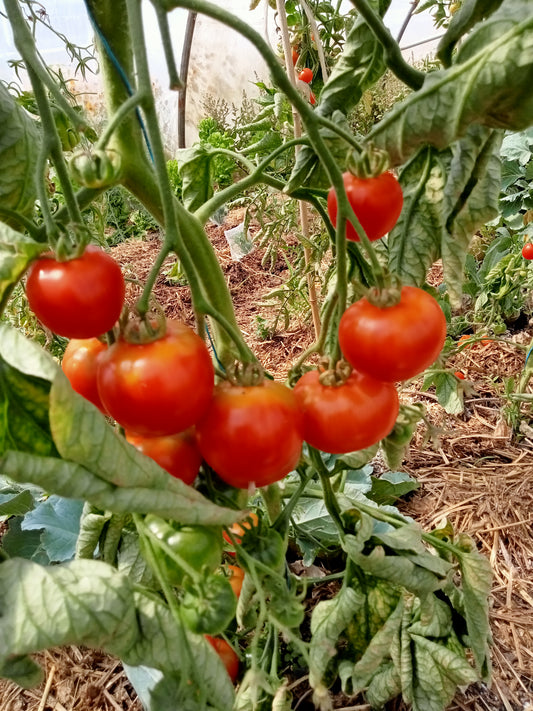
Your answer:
<point x="129" y="105"/>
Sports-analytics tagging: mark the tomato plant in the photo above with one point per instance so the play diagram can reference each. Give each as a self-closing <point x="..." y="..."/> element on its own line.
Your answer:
<point x="377" y="202"/>
<point x="306" y="75"/>
<point x="208" y="604"/>
<point x="527" y="250"/>
<point x="76" y="298"/>
<point x="238" y="530"/>
<point x="80" y="363"/>
<point x="396" y="342"/>
<point x="236" y="578"/>
<point x="199" y="547"/>
<point x="157" y="388"/>
<point x="227" y="654"/>
<point x="96" y="168"/>
<point x="348" y="416"/>
<point x="178" y="453"/>
<point x="251" y="434"/>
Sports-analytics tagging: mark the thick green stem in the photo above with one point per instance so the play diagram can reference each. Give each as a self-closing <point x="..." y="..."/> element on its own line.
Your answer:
<point x="393" y="56"/>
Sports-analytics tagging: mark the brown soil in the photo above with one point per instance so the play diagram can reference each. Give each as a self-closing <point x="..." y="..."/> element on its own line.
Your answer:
<point x="475" y="474"/>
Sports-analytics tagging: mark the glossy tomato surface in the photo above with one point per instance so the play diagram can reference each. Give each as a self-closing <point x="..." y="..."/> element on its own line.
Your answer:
<point x="226" y="654"/>
<point x="251" y="433"/>
<point x="306" y="75"/>
<point x="377" y="202"/>
<point x="396" y="342"/>
<point x="527" y="250"/>
<point x="79" y="364"/>
<point x="158" y="388"/>
<point x="77" y="298"/>
<point x="347" y="417"/>
<point x="178" y="453"/>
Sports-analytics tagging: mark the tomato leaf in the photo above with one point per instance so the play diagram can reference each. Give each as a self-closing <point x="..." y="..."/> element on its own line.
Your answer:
<point x="91" y="603"/>
<point x="58" y="519"/>
<point x="415" y="242"/>
<point x="453" y="99"/>
<point x="470" y="200"/>
<point x="328" y="620"/>
<point x="15" y="502"/>
<point x="194" y="165"/>
<point x="469" y="14"/>
<point x="19" y="148"/>
<point x="16" y="252"/>
<point x="447" y="390"/>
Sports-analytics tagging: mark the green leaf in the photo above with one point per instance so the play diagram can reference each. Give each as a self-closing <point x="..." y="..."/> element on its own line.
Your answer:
<point x="471" y="200"/>
<point x="59" y="519"/>
<point x="328" y="620"/>
<point x="448" y="393"/>
<point x="16" y="252"/>
<point x="491" y="87"/>
<point x="391" y="486"/>
<point x="131" y="562"/>
<point x="90" y="603"/>
<point x="23" y="544"/>
<point x="15" y="502"/>
<point x="476" y="579"/>
<point x="469" y="14"/>
<point x="438" y="673"/>
<point x="432" y="618"/>
<point x="75" y="482"/>
<point x="19" y="148"/>
<point x="194" y="166"/>
<point x="415" y="242"/>
<point x="356" y="677"/>
<point x="384" y="686"/>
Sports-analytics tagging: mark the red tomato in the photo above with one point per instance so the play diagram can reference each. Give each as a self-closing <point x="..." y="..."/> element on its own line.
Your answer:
<point x="395" y="342"/>
<point x="251" y="433"/>
<point x="157" y="388"/>
<point x="459" y="374"/>
<point x="312" y="99"/>
<point x="377" y="202"/>
<point x="178" y="453"/>
<point x="295" y="55"/>
<point x="527" y="250"/>
<point x="347" y="417"/>
<point x="306" y="75"/>
<point x="236" y="578"/>
<point x="239" y="529"/>
<point x="77" y="298"/>
<point x="79" y="364"/>
<point x="226" y="654"/>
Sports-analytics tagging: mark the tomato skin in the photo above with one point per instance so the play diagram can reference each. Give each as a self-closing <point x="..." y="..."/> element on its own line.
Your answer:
<point x="77" y="298"/>
<point x="226" y="654"/>
<point x="251" y="433"/>
<point x="178" y="453"/>
<point x="348" y="417"/>
<point x="460" y="375"/>
<point x="377" y="202"/>
<point x="239" y="529"/>
<point x="295" y="55"/>
<point x="200" y="547"/>
<point x="306" y="75"/>
<point x="236" y="578"/>
<point x="312" y="99"/>
<point x="527" y="250"/>
<point x="80" y="362"/>
<point x="396" y="342"/>
<point x="157" y="388"/>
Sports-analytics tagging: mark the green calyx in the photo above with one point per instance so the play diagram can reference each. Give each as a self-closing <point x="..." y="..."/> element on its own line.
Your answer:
<point x="368" y="164"/>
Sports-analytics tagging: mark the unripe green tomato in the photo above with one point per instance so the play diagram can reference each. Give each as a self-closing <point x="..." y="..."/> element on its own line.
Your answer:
<point x="200" y="547"/>
<point x="96" y="168"/>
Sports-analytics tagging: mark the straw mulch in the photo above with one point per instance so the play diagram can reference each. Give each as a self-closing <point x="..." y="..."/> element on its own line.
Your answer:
<point x="477" y="475"/>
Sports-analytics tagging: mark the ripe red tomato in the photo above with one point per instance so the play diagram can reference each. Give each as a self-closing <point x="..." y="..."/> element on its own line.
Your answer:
<point x="377" y="202"/>
<point x="306" y="75"/>
<point x="226" y="654"/>
<point x="79" y="364"/>
<point x="312" y="99"/>
<point x="178" y="453"/>
<point x="77" y="298"/>
<point x="527" y="250"/>
<point x="295" y="55"/>
<point x="347" y="417"/>
<point x="157" y="388"/>
<point x="395" y="342"/>
<point x="251" y="433"/>
<point x="460" y="375"/>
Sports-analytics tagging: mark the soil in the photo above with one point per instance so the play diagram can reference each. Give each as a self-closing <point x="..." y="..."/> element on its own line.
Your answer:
<point x="474" y="472"/>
